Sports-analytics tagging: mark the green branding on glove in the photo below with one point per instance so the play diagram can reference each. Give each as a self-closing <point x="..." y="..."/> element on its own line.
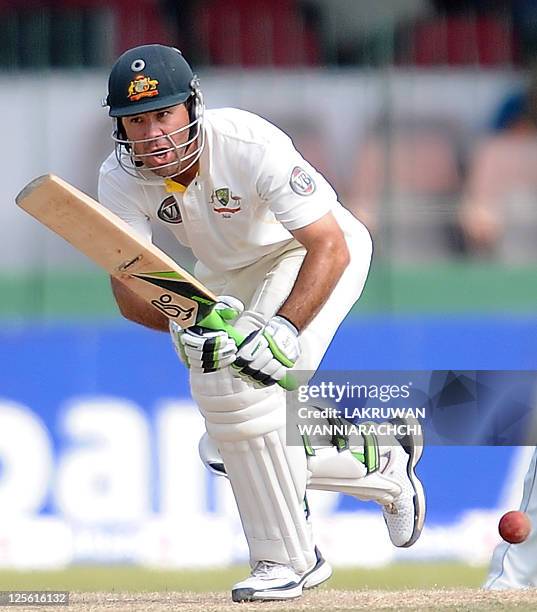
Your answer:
<point x="275" y="349"/>
<point x="371" y="453"/>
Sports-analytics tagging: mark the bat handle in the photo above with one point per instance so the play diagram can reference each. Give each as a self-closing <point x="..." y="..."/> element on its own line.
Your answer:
<point x="215" y="322"/>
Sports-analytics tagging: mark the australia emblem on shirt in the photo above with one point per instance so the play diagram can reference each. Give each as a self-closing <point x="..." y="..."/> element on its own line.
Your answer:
<point x="225" y="203"/>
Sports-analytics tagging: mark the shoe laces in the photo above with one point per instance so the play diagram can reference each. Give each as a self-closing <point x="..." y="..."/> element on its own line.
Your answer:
<point x="265" y="569"/>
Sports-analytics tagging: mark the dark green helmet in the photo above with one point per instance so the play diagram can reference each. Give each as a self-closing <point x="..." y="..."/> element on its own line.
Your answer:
<point x="148" y="78"/>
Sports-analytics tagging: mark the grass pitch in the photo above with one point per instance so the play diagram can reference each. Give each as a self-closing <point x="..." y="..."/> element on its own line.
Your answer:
<point x="405" y="587"/>
<point x="136" y="579"/>
<point x="322" y="600"/>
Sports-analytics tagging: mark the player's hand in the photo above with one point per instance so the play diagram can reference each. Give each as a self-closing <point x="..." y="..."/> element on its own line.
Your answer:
<point x="205" y="350"/>
<point x="265" y="355"/>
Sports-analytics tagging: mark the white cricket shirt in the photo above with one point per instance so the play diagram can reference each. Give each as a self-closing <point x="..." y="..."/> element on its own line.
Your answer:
<point x="252" y="188"/>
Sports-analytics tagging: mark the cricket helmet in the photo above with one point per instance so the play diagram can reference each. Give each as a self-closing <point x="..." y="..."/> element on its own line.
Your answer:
<point x="149" y="78"/>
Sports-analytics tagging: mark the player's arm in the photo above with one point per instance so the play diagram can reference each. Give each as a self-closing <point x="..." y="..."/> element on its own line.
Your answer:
<point x="266" y="354"/>
<point x="326" y="259"/>
<point x="301" y="200"/>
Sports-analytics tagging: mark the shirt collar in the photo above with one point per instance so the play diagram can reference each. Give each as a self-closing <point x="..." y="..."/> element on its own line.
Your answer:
<point x="173" y="186"/>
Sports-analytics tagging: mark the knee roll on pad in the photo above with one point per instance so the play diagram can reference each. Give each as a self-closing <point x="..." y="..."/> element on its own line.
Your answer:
<point x="216" y="384"/>
<point x="241" y="415"/>
<point x="331" y="470"/>
<point x="328" y="470"/>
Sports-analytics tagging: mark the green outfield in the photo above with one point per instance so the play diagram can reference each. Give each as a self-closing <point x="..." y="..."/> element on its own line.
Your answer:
<point x="136" y="579"/>
<point x="443" y="287"/>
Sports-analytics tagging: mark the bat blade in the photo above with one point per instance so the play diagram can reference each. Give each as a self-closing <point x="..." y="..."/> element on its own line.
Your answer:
<point x="110" y="243"/>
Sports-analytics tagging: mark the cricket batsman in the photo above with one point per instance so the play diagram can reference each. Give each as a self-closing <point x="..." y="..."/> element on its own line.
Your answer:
<point x="288" y="262"/>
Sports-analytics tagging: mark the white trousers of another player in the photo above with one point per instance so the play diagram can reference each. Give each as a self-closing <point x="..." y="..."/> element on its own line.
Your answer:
<point x="514" y="566"/>
<point x="247" y="425"/>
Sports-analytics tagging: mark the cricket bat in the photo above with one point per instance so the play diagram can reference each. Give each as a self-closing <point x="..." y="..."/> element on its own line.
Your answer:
<point x="110" y="243"/>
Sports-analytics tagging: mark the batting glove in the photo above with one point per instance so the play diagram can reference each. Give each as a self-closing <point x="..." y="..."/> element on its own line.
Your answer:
<point x="265" y="355"/>
<point x="206" y="350"/>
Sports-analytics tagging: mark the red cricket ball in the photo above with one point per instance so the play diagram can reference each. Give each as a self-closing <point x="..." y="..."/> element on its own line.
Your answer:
<point x="514" y="526"/>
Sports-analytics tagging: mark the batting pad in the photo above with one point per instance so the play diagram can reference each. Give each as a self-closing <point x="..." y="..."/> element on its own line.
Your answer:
<point x="331" y="470"/>
<point x="247" y="426"/>
<point x="328" y="470"/>
<point x="269" y="484"/>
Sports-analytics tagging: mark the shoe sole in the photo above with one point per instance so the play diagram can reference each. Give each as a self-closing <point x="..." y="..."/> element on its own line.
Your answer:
<point x="414" y="451"/>
<point x="316" y="576"/>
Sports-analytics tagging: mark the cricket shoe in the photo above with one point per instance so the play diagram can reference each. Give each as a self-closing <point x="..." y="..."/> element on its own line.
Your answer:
<point x="405" y="516"/>
<point x="271" y="581"/>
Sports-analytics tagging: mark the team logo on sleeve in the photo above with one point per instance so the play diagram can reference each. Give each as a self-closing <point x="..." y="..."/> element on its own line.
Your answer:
<point x="169" y="211"/>
<point x="301" y="182"/>
<point x="225" y="203"/>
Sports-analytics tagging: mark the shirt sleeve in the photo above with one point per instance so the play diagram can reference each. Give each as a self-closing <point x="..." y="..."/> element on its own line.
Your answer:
<point x="124" y="201"/>
<point x="296" y="193"/>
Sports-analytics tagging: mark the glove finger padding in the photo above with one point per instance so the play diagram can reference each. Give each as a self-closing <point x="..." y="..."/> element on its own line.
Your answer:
<point x="265" y="354"/>
<point x="282" y="339"/>
<point x="176" y="332"/>
<point x="208" y="350"/>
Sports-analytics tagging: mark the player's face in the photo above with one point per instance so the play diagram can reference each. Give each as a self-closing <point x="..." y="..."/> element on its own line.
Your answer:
<point x="160" y="138"/>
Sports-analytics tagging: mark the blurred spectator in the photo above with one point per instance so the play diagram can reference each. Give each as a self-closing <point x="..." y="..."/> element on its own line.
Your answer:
<point x="457" y="40"/>
<point x="406" y="179"/>
<point x="518" y="16"/>
<point x="499" y="209"/>
<point x="524" y="14"/>
<point x="478" y="7"/>
<point x="356" y="32"/>
<point x="183" y="16"/>
<point x="459" y="32"/>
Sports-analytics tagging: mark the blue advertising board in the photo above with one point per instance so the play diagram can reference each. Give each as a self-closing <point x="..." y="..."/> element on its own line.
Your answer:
<point x="97" y="431"/>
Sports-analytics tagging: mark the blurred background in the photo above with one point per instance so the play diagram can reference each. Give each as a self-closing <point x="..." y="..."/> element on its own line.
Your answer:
<point x="423" y="116"/>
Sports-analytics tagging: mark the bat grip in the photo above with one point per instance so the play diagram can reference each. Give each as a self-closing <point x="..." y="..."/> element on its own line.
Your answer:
<point x="215" y="322"/>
